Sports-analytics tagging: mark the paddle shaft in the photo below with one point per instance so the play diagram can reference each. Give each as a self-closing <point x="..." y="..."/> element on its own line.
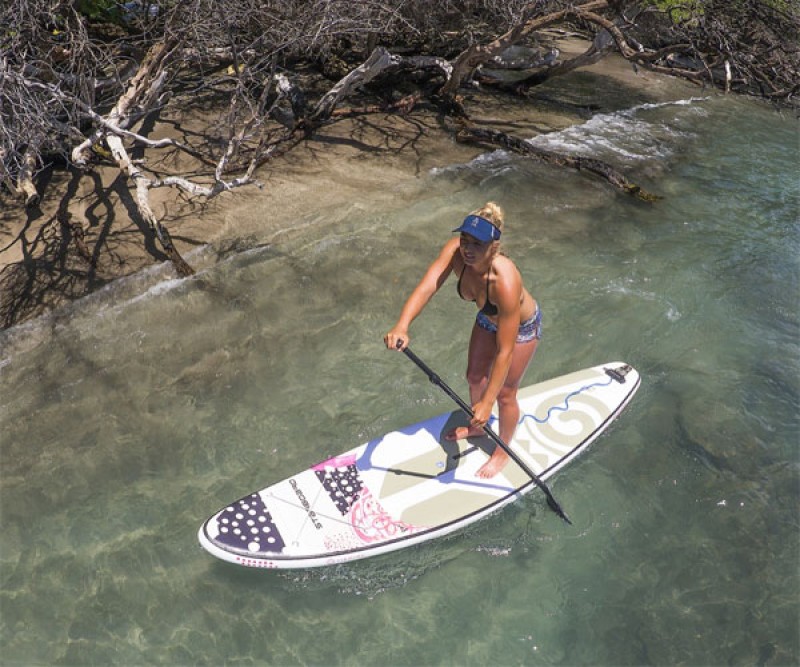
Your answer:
<point x="435" y="379"/>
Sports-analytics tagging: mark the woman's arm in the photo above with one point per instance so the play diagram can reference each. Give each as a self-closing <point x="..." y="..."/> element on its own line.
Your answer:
<point x="430" y="283"/>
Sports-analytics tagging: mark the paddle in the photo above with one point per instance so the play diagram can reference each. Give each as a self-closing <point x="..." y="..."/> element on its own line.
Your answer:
<point x="433" y="377"/>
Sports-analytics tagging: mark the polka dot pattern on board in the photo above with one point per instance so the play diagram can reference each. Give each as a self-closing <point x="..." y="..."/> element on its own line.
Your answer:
<point x="247" y="524"/>
<point x="342" y="484"/>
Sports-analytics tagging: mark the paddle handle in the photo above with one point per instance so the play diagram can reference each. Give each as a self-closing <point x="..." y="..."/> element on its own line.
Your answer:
<point x="435" y="379"/>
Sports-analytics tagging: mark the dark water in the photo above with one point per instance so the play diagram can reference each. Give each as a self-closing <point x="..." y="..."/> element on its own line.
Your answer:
<point x="128" y="419"/>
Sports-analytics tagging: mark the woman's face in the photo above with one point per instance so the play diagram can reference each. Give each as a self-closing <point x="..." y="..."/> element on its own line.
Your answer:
<point x="472" y="250"/>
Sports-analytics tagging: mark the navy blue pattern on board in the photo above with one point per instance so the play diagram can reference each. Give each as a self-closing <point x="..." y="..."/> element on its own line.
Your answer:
<point x="342" y="484"/>
<point x="247" y="525"/>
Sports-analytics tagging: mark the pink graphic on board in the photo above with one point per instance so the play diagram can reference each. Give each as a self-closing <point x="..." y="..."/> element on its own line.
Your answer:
<point x="372" y="523"/>
<point x="337" y="462"/>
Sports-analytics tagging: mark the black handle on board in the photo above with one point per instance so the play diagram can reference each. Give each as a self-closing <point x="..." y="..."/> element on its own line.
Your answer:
<point x="435" y="379"/>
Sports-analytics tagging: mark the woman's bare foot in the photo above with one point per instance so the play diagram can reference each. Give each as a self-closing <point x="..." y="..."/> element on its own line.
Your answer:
<point x="463" y="432"/>
<point x="494" y="465"/>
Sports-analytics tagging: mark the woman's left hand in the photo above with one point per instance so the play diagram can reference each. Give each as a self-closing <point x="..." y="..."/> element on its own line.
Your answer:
<point x="482" y="412"/>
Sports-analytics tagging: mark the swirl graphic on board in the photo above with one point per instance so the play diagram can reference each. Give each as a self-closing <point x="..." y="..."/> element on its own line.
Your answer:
<point x="567" y="420"/>
<point x="372" y="522"/>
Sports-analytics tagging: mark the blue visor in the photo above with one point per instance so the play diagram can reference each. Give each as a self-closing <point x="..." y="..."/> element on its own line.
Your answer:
<point x="480" y="228"/>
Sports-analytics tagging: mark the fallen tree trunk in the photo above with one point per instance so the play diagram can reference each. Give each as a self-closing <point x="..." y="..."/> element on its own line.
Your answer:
<point x="142" y="190"/>
<point x="602" y="44"/>
<point x="379" y="61"/>
<point x="144" y="88"/>
<point x="516" y="145"/>
<point x="479" y="54"/>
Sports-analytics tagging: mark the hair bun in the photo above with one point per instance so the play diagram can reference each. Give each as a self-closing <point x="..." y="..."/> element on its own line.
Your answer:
<point x="492" y="212"/>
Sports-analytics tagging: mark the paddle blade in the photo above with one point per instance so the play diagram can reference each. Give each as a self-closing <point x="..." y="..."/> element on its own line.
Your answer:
<point x="557" y="509"/>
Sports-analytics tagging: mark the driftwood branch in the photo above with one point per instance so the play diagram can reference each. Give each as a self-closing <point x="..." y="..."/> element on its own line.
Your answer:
<point x="143" y="90"/>
<point x="522" y="147"/>
<point x="142" y="195"/>
<point x="478" y="54"/>
<point x="598" y="50"/>
<point x="379" y="62"/>
<point x="25" y="183"/>
<point x="143" y="87"/>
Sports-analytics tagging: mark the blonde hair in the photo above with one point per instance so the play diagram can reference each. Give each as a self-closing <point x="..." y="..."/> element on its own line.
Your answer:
<point x="493" y="213"/>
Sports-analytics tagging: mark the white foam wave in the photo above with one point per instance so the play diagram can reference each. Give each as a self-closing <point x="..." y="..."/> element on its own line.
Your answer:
<point x="671" y="311"/>
<point x="158" y="289"/>
<point x="107" y="301"/>
<point x="492" y="160"/>
<point x="643" y="132"/>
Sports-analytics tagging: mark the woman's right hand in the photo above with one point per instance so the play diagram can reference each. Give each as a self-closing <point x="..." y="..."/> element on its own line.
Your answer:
<point x="396" y="339"/>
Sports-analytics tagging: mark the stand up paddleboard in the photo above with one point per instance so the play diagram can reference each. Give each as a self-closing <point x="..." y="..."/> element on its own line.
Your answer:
<point x="412" y="485"/>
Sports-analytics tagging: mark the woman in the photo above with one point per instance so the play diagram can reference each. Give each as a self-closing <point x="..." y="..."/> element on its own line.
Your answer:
<point x="506" y="331"/>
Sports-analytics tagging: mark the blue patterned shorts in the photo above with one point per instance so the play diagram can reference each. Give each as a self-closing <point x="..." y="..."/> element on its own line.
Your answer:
<point x="530" y="329"/>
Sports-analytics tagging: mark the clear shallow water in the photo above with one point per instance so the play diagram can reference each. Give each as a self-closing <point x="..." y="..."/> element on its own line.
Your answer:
<point x="129" y="418"/>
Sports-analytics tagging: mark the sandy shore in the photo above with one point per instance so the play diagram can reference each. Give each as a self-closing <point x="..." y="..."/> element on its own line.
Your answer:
<point x="41" y="268"/>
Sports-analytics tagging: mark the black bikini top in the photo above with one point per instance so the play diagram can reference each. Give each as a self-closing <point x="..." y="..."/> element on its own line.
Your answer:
<point x="489" y="308"/>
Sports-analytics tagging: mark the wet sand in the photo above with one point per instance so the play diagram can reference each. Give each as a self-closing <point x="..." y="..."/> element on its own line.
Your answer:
<point x="368" y="161"/>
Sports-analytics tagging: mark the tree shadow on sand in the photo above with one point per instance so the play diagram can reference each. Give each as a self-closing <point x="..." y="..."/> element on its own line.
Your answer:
<point x="63" y="259"/>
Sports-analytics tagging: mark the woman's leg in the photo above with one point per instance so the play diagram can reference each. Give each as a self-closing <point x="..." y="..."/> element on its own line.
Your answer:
<point x="482" y="349"/>
<point x="508" y="406"/>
